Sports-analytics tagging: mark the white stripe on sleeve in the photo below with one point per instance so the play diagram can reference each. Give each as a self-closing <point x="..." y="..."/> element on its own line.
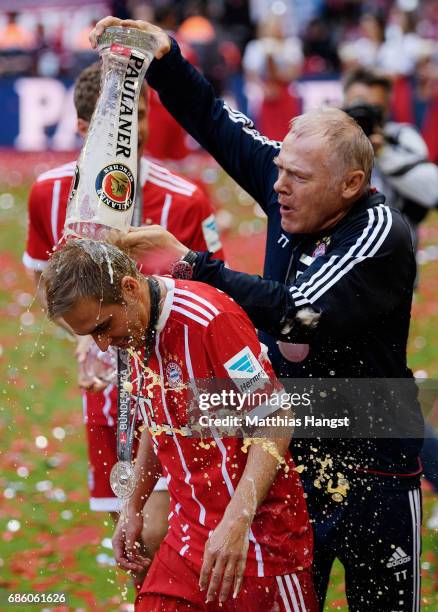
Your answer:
<point x="55" y="210"/>
<point x="165" y="210"/>
<point x="366" y="246"/>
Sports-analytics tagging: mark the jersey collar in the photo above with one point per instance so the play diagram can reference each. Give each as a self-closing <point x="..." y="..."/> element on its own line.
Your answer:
<point x="168" y="301"/>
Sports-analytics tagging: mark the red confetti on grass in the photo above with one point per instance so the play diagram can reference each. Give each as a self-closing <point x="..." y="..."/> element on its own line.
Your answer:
<point x="42" y="585"/>
<point x="28" y="565"/>
<point x="78" y="537"/>
<point x="88" y="596"/>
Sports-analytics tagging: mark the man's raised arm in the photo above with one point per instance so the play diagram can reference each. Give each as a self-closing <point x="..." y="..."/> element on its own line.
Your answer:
<point x="228" y="135"/>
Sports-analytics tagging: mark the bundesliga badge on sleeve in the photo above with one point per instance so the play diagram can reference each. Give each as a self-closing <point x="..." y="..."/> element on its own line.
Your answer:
<point x="123" y="479"/>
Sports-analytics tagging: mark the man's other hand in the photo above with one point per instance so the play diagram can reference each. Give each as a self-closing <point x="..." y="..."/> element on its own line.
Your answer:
<point x="153" y="246"/>
<point x="127" y="544"/>
<point x="225" y="558"/>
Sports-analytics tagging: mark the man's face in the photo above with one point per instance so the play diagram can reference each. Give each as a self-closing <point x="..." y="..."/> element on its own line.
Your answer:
<point x="118" y="325"/>
<point x="309" y="197"/>
<point x="374" y="94"/>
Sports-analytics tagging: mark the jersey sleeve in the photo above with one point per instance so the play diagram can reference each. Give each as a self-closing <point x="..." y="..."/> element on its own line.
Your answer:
<point x="236" y="357"/>
<point x="228" y="135"/>
<point x="200" y="227"/>
<point x="39" y="241"/>
<point x="360" y="280"/>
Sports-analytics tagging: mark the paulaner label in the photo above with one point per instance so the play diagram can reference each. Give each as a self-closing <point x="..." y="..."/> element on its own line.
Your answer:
<point x="115" y="186"/>
<point x="127" y="105"/>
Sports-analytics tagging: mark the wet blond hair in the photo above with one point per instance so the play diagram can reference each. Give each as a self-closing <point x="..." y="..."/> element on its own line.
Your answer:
<point x="85" y="268"/>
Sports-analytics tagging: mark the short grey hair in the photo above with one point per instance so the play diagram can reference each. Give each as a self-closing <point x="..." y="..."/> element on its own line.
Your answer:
<point x="84" y="268"/>
<point x="350" y="148"/>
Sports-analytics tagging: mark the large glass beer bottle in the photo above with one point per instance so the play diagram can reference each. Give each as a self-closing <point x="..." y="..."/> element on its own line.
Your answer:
<point x="103" y="191"/>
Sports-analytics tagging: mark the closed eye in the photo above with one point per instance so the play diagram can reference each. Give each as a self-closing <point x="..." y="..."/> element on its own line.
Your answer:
<point x="103" y="327"/>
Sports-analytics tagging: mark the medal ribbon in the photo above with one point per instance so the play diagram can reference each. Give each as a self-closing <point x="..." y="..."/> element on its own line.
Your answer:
<point x="125" y="420"/>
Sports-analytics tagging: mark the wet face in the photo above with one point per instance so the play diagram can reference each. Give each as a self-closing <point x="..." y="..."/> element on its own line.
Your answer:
<point x="371" y="94"/>
<point x="310" y="199"/>
<point x="119" y="325"/>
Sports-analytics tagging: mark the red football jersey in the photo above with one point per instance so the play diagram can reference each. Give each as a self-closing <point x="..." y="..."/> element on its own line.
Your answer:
<point x="167" y="140"/>
<point x="169" y="200"/>
<point x="204" y="334"/>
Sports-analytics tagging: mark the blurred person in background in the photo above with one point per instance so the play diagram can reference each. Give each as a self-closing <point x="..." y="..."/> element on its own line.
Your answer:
<point x="200" y="33"/>
<point x="47" y="54"/>
<point x="14" y="35"/>
<point x="167" y="140"/>
<point x="295" y="14"/>
<point x="272" y="62"/>
<point x="319" y="48"/>
<point x="81" y="42"/>
<point x="168" y="199"/>
<point x="402" y="170"/>
<point x="365" y="48"/>
<point x="404" y="174"/>
<point x="416" y="100"/>
<point x="403" y="46"/>
<point x="428" y="19"/>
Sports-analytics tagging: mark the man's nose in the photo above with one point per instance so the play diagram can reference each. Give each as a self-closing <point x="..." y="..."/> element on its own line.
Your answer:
<point x="281" y="185"/>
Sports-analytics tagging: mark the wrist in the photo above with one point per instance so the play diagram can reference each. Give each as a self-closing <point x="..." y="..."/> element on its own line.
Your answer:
<point x="135" y="504"/>
<point x="184" y="267"/>
<point x="239" y="513"/>
<point x="165" y="44"/>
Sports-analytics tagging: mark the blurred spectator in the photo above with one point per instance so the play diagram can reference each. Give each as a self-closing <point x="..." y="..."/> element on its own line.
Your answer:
<point x="402" y="171"/>
<point x="233" y="16"/>
<point x="320" y="52"/>
<point x="365" y="49"/>
<point x="166" y="17"/>
<point x="428" y="19"/>
<point x="82" y="42"/>
<point x="15" y="36"/>
<point x="271" y="63"/>
<point x="121" y="9"/>
<point x="46" y="59"/>
<point x="403" y="47"/>
<point x="295" y="14"/>
<point x="426" y="104"/>
<point x="199" y="33"/>
<point x="167" y="139"/>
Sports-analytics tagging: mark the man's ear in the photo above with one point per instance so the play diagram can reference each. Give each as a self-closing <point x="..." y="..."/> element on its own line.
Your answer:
<point x="82" y="126"/>
<point x="353" y="184"/>
<point x="130" y="289"/>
